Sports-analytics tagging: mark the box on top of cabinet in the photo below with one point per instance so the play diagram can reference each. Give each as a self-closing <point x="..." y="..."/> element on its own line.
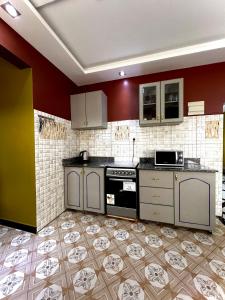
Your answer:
<point x="89" y="110"/>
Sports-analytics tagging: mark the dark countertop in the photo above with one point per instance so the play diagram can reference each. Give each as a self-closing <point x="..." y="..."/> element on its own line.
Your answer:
<point x="98" y="162"/>
<point x="190" y="165"/>
<point x="93" y="162"/>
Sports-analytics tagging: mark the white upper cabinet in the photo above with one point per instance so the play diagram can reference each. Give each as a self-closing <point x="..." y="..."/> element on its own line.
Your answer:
<point x="78" y="113"/>
<point x="172" y="101"/>
<point x="149" y="95"/>
<point x="89" y="110"/>
<point x="161" y="102"/>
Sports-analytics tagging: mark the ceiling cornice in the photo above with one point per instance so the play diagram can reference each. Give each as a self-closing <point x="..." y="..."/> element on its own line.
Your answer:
<point x="213" y="45"/>
<point x="52" y="32"/>
<point x="59" y="54"/>
<point x="197" y="48"/>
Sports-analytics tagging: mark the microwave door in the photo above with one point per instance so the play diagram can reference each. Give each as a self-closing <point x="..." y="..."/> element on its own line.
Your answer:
<point x="165" y="158"/>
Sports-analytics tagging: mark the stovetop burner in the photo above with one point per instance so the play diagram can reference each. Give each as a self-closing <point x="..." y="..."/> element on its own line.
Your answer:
<point x="125" y="169"/>
<point x="123" y="164"/>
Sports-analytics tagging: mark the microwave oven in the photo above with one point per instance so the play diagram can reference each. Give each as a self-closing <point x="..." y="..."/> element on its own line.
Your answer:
<point x="171" y="158"/>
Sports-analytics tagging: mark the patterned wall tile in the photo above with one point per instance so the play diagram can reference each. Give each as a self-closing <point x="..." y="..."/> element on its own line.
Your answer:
<point x="188" y="136"/>
<point x="49" y="153"/>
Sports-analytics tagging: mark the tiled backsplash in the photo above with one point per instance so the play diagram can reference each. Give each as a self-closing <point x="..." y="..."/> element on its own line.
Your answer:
<point x="49" y="171"/>
<point x="188" y="136"/>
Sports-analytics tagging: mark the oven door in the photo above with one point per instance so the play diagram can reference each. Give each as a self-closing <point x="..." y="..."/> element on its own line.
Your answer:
<point x="121" y="192"/>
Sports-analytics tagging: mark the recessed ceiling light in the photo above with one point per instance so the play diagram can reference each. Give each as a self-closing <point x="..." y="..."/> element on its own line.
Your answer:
<point x="122" y="73"/>
<point x="10" y="9"/>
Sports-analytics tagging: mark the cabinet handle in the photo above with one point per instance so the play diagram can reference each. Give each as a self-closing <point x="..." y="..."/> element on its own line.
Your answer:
<point x="176" y="177"/>
<point x="155" y="178"/>
<point x="155" y="213"/>
<point x="155" y="196"/>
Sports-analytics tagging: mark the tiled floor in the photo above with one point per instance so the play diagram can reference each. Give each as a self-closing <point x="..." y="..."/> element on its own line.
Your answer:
<point x="93" y="257"/>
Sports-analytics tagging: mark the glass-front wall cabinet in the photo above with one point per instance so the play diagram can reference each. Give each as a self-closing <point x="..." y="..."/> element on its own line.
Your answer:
<point x="150" y="103"/>
<point x="172" y="101"/>
<point x="161" y="102"/>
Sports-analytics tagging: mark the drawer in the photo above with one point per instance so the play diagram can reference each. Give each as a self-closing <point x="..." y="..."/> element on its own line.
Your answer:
<point x="162" y="179"/>
<point x="157" y="213"/>
<point x="156" y="196"/>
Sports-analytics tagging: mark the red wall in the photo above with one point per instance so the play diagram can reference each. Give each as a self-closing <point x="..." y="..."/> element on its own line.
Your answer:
<point x="51" y="88"/>
<point x="200" y="83"/>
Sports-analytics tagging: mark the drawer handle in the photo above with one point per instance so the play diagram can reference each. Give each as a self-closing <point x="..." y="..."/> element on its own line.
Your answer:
<point x="155" y="178"/>
<point x="155" y="196"/>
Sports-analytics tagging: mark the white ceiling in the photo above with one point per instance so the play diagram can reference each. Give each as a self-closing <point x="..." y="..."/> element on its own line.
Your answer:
<point x="91" y="40"/>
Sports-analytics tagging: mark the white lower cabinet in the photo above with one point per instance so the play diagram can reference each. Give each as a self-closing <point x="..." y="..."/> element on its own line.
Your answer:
<point x="195" y="200"/>
<point x="84" y="189"/>
<point x="94" y="190"/>
<point x="74" y="188"/>
<point x="157" y="213"/>
<point x="156" y="196"/>
<point x="188" y="200"/>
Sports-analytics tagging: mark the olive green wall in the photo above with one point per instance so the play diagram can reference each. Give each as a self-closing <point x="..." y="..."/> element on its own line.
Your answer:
<point x="17" y="154"/>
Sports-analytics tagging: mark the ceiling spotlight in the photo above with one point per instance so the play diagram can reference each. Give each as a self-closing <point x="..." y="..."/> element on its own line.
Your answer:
<point x="122" y="73"/>
<point x="10" y="9"/>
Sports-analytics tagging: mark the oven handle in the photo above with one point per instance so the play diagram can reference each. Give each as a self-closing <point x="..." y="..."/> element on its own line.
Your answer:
<point x="120" y="179"/>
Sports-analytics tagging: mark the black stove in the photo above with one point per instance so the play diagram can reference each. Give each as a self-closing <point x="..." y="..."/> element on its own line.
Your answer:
<point x="121" y="189"/>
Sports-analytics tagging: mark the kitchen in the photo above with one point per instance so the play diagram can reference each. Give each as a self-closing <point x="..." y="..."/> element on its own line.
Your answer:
<point x="111" y="120"/>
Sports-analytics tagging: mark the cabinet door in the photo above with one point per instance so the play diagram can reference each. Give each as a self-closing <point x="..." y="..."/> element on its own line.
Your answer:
<point x="149" y="103"/>
<point x="195" y="200"/>
<point x="96" y="109"/>
<point x="172" y="101"/>
<point x="78" y="113"/>
<point x="74" y="188"/>
<point x="94" y="190"/>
